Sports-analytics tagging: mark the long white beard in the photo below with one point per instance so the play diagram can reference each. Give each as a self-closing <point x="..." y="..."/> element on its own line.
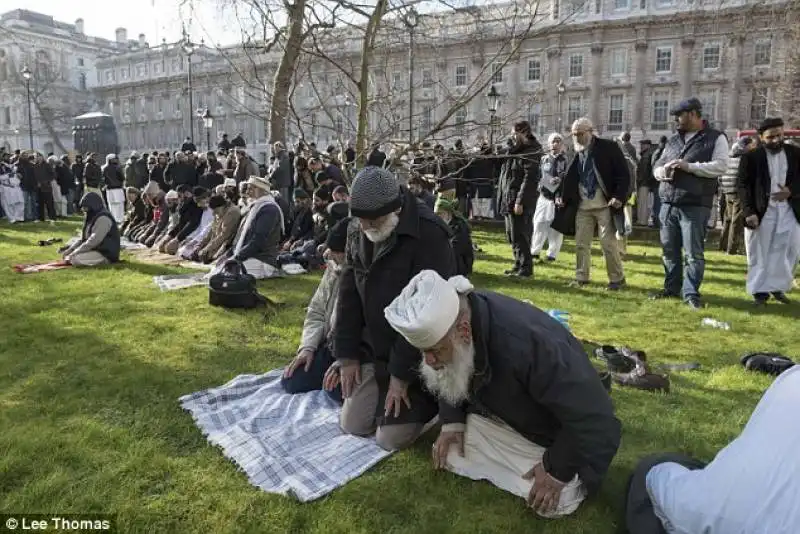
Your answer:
<point x="451" y="382"/>
<point x="378" y="235"/>
<point x="578" y="146"/>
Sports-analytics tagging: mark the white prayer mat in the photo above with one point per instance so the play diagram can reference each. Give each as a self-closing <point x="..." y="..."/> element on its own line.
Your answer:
<point x="173" y="282"/>
<point x="286" y="444"/>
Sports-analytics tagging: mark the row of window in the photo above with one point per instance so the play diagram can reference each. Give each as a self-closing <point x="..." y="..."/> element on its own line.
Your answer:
<point x="584" y="7"/>
<point x="141" y="70"/>
<point x="618" y="65"/>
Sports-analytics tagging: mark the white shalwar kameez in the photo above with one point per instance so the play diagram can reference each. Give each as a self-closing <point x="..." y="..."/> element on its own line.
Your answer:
<point x="545" y="213"/>
<point x="11" y="196"/>
<point x="773" y="248"/>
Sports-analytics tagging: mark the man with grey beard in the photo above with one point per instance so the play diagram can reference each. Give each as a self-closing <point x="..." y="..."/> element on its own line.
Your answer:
<point x="518" y="397"/>
<point x="392" y="238"/>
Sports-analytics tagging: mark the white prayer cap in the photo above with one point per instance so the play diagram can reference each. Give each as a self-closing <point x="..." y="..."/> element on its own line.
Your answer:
<point x="427" y="308"/>
<point x="229" y="182"/>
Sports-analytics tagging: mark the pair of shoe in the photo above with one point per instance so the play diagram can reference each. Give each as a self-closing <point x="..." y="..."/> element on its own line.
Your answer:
<point x="629" y="368"/>
<point x="612" y="286"/>
<point x="518" y="273"/>
<point x="692" y="301"/>
<point x="760" y="299"/>
<point x="548" y="259"/>
<point x="767" y="362"/>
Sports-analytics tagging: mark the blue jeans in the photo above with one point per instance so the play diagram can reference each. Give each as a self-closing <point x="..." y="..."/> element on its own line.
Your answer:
<point x="70" y="196"/>
<point x="302" y="381"/>
<point x="31" y="205"/>
<point x="656" y="209"/>
<point x="684" y="227"/>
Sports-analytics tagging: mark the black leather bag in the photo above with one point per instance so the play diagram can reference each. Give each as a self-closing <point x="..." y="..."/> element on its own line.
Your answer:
<point x="232" y="287"/>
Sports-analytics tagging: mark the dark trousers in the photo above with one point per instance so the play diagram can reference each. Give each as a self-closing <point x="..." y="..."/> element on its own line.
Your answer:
<point x="639" y="515"/>
<point x="519" y="231"/>
<point x="303" y="381"/>
<point x="732" y="225"/>
<point x="45" y="199"/>
<point x="684" y="227"/>
<point x="656" y="214"/>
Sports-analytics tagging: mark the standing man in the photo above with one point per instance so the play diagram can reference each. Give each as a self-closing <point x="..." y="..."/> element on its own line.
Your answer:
<point x="627" y="147"/>
<point x="731" y="239"/>
<point x="519" y="179"/>
<point x="393" y="237"/>
<point x="769" y="190"/>
<point x="656" y="212"/>
<point x="281" y="176"/>
<point x="644" y="182"/>
<point x="688" y="169"/>
<point x="597" y="182"/>
<point x="114" y="179"/>
<point x="77" y="172"/>
<point x="554" y="168"/>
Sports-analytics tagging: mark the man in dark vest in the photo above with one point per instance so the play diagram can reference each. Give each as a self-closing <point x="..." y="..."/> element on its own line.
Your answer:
<point x="688" y="169"/>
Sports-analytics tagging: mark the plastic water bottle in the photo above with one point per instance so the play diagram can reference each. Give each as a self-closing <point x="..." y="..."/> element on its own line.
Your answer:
<point x="561" y="316"/>
<point x="713" y="323"/>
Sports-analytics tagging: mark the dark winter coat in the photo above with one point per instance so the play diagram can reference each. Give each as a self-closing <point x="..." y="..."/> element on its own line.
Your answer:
<point x="65" y="179"/>
<point x="480" y="174"/>
<point x="376" y="158"/>
<point x="92" y="175"/>
<point x="370" y="281"/>
<point x="535" y="376"/>
<point x="45" y="175"/>
<point x="519" y="177"/>
<point x="644" y="171"/>
<point x="188" y="146"/>
<point x="181" y="173"/>
<point x="27" y="176"/>
<point x="210" y="180"/>
<point x="281" y="177"/>
<point x="157" y="176"/>
<point x="77" y="172"/>
<point x="262" y="236"/>
<point x="461" y="242"/>
<point x="238" y="142"/>
<point x="113" y="176"/>
<point x="190" y="216"/>
<point x="302" y="225"/>
<point x="754" y="182"/>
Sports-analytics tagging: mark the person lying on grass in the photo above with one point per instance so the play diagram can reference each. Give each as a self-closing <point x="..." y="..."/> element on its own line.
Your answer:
<point x="314" y="358"/>
<point x="99" y="242"/>
<point x="519" y="402"/>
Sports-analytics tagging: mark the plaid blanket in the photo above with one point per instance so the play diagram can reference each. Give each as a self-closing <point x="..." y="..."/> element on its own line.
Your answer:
<point x="286" y="444"/>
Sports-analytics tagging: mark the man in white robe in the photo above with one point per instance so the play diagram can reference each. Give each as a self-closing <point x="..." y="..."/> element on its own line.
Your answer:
<point x="769" y="187"/>
<point x="554" y="167"/>
<point x="11" y="196"/>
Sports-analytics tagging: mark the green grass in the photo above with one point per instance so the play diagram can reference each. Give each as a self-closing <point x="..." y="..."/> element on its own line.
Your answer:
<point x="92" y="363"/>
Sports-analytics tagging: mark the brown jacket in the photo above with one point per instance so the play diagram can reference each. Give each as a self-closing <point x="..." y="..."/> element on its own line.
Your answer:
<point x="223" y="228"/>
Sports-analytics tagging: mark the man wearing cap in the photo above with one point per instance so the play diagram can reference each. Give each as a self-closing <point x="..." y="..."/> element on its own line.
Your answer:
<point x="517" y="193"/>
<point x="191" y="209"/>
<point x="303" y="221"/>
<point x="392" y="238"/>
<point x="688" y="169"/>
<point x="314" y="356"/>
<point x="519" y="401"/>
<point x="769" y="189"/>
<point x="226" y="222"/>
<point x="257" y="241"/>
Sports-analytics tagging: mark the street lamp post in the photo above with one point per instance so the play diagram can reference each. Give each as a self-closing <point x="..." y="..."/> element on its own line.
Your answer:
<point x="411" y="21"/>
<point x="561" y="89"/>
<point x="189" y="48"/>
<point x="208" y="122"/>
<point x="26" y="73"/>
<point x="493" y="98"/>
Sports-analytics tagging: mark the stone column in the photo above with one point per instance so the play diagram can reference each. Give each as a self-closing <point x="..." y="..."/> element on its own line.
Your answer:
<point x="597" y="84"/>
<point x="640" y="46"/>
<point x="554" y="75"/>
<point x="687" y="47"/>
<point x="734" y="75"/>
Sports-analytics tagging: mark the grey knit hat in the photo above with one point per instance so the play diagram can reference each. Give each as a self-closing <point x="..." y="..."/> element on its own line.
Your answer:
<point x="375" y="193"/>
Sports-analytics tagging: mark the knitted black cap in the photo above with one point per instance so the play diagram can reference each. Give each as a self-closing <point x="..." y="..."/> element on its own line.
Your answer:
<point x="375" y="193"/>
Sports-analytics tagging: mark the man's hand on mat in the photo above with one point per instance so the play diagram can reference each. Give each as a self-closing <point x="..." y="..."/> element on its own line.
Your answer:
<point x="305" y="358"/>
<point x="442" y="446"/>
<point x="546" y="490"/>
<point x="398" y="391"/>
<point x="331" y="378"/>
<point x="350" y="372"/>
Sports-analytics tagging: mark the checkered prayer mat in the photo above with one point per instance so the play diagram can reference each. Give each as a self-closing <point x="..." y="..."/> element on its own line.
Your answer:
<point x="286" y="444"/>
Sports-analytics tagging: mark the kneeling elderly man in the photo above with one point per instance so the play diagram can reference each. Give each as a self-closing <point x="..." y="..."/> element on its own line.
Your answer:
<point x="517" y="394"/>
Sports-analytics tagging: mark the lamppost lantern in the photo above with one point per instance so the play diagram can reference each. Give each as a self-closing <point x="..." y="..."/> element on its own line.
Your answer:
<point x="208" y="123"/>
<point x="412" y="18"/>
<point x="26" y="73"/>
<point x="561" y="87"/>
<point x="189" y="48"/>
<point x="494" y="99"/>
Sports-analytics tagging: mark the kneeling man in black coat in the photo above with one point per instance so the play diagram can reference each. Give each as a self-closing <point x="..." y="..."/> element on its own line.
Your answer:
<point x="518" y="396"/>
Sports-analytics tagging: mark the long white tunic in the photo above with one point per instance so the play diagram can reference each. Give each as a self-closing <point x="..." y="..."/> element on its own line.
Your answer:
<point x="752" y="486"/>
<point x="773" y="248"/>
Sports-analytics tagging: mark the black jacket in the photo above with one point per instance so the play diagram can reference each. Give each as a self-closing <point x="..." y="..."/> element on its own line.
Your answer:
<point x="376" y="158"/>
<point x="180" y="173"/>
<point x="535" y="376"/>
<point x="262" y="236"/>
<point x="519" y="177"/>
<point x="613" y="179"/>
<point x="480" y="174"/>
<point x="754" y="182"/>
<point x="188" y="146"/>
<point x="45" y="175"/>
<point x="644" y="171"/>
<point x="157" y="176"/>
<point x="92" y="175"/>
<point x="77" y="172"/>
<point x="210" y="180"/>
<point x="134" y="216"/>
<point x="369" y="283"/>
<point x="113" y="176"/>
<point x="302" y="225"/>
<point x="65" y="179"/>
<point x="190" y="215"/>
<point x="461" y="242"/>
<point x="27" y="176"/>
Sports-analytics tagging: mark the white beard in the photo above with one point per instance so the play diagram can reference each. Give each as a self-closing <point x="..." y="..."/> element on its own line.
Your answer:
<point x="578" y="146"/>
<point x="381" y="234"/>
<point x="451" y="383"/>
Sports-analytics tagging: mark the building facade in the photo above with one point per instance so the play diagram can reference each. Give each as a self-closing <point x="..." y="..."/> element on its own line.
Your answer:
<point x="623" y="63"/>
<point x="61" y="60"/>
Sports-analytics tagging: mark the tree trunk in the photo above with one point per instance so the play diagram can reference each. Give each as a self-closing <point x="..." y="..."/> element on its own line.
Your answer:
<point x="284" y="75"/>
<point x="362" y="133"/>
<point x="43" y="115"/>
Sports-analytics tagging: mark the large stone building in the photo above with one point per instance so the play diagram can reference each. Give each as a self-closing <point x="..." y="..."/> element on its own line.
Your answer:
<point x="61" y="59"/>
<point x="623" y="63"/>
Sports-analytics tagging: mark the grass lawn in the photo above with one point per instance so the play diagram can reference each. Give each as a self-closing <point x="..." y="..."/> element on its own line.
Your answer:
<point x="92" y="363"/>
